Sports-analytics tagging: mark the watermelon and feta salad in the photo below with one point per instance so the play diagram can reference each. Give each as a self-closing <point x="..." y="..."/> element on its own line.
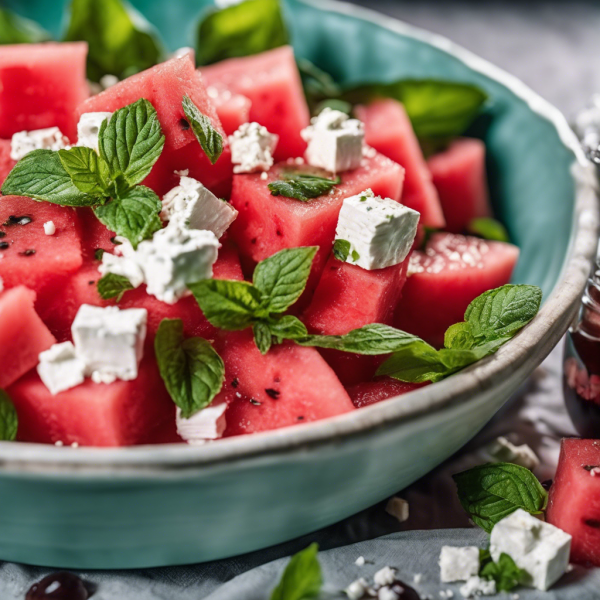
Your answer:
<point x="196" y="251"/>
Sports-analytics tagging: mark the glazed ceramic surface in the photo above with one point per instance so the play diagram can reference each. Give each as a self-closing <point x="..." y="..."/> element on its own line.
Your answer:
<point x="146" y="506"/>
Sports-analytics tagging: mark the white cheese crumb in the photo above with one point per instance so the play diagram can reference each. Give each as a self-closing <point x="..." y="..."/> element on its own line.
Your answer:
<point x="334" y="141"/>
<point x="386" y="593"/>
<point x="446" y="594"/>
<point x="476" y="586"/>
<point x="595" y="471"/>
<point x="385" y="576"/>
<point x="24" y="142"/>
<point x="417" y="578"/>
<point x="360" y="561"/>
<point x="59" y="443"/>
<point x="397" y="508"/>
<point x="357" y="589"/>
<point x="60" y="368"/>
<point x="252" y="148"/>
<point x="207" y="424"/>
<point x="264" y="176"/>
<point x="502" y="450"/>
<point x="75" y="445"/>
<point x="49" y="228"/>
<point x="108" y="80"/>
<point x="458" y="564"/>
<point x="88" y="128"/>
<point x="124" y="262"/>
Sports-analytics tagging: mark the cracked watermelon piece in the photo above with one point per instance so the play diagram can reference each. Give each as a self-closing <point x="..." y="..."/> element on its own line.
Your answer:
<point x="389" y="131"/>
<point x="232" y="109"/>
<point x="444" y="279"/>
<point x="164" y="86"/>
<point x="574" y="503"/>
<point x="270" y="80"/>
<point x="287" y="386"/>
<point x="459" y="177"/>
<point x="6" y="162"/>
<point x="41" y="86"/>
<point x="23" y="335"/>
<point x="123" y="413"/>
<point x="371" y="392"/>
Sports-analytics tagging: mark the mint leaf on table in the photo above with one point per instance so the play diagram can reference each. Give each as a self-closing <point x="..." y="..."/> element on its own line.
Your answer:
<point x="488" y="229"/>
<point x="208" y="137"/>
<point x="113" y="286"/>
<point x="302" y="186"/>
<point x="243" y="29"/>
<point x="88" y="171"/>
<point x="341" y="249"/>
<point x="192" y="370"/>
<point x="121" y="42"/>
<point x="8" y="418"/>
<point x="262" y="336"/>
<point x="490" y="492"/>
<point x="302" y="578"/>
<point x="505" y="572"/>
<point x="18" y="30"/>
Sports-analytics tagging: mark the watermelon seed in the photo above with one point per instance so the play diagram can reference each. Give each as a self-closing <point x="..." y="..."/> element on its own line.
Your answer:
<point x="255" y="402"/>
<point x="91" y="282"/>
<point x="547" y="484"/>
<point x="273" y="393"/>
<point x="115" y="241"/>
<point x="4" y="245"/>
<point x="590" y="467"/>
<point x="28" y="252"/>
<point x="592" y="523"/>
<point x="235" y="382"/>
<point x="13" y="220"/>
<point x="184" y="124"/>
<point x="2" y="234"/>
<point x="300" y="418"/>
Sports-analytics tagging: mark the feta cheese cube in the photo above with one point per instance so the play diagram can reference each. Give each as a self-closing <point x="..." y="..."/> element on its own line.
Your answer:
<point x="385" y="576"/>
<point x="207" y="424"/>
<point x="252" y="148"/>
<point x="123" y="262"/>
<point x="476" y="586"/>
<point x="502" y="450"/>
<point x="49" y="228"/>
<point x="539" y="548"/>
<point x="335" y="141"/>
<point x="110" y="341"/>
<point x="458" y="564"/>
<point x="60" y="368"/>
<point x="24" y="142"/>
<point x="397" y="508"/>
<point x="88" y="128"/>
<point x="197" y="207"/>
<point x="380" y="231"/>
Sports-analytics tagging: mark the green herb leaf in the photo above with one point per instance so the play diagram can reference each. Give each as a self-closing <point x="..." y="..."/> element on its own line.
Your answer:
<point x="505" y="573"/>
<point x="113" y="286"/>
<point x="459" y="336"/>
<point x="192" y="370"/>
<point x="416" y="362"/>
<point x="341" y="249"/>
<point x="135" y="215"/>
<point x="40" y="175"/>
<point x="88" y="171"/>
<point x="281" y="278"/>
<point x="489" y="229"/>
<point x="121" y="42"/>
<point x="490" y="492"/>
<point x="287" y="327"/>
<point x="8" y="419"/>
<point x="243" y="29"/>
<point x="18" y="30"/>
<point x="302" y="186"/>
<point x="319" y="84"/>
<point x="302" y="578"/>
<point x="262" y="336"/>
<point x="208" y="137"/>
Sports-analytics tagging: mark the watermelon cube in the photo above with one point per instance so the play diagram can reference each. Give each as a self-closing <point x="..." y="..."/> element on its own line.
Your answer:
<point x="459" y="176"/>
<point x="23" y="332"/>
<point x="389" y="131"/>
<point x="6" y="162"/>
<point x="574" y="503"/>
<point x="232" y="109"/>
<point x="41" y="86"/>
<point x="370" y="392"/>
<point x="164" y="86"/>
<point x="289" y="385"/>
<point x="122" y="413"/>
<point x="271" y="82"/>
<point x="443" y="280"/>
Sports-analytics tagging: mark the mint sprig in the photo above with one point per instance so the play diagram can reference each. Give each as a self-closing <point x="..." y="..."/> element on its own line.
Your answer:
<point x="113" y="286"/>
<point x="341" y="249"/>
<point x="208" y="137"/>
<point x="8" y="418"/>
<point x="88" y="172"/>
<point x="505" y="572"/>
<point x="488" y="229"/>
<point x="302" y="578"/>
<point x="302" y="186"/>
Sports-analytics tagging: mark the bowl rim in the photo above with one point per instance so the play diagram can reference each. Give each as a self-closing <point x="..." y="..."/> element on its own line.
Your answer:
<point x="520" y="355"/>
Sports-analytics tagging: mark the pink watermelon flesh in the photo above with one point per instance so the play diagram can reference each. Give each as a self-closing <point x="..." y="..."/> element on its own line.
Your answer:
<point x="574" y="503"/>
<point x="271" y="82"/>
<point x="164" y="86"/>
<point x="287" y="386"/>
<point x="459" y="177"/>
<point x="23" y="335"/>
<point x="123" y="413"/>
<point x="389" y="131"/>
<point x="41" y="86"/>
<point x="371" y="392"/>
<point x="442" y="281"/>
<point x="232" y="109"/>
<point x="6" y="162"/>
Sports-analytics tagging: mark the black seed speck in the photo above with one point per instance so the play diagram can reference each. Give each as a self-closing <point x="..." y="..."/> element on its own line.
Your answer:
<point x="273" y="393"/>
<point x="255" y="402"/>
<point x="60" y="586"/>
<point x="2" y="234"/>
<point x="14" y="220"/>
<point x="590" y="467"/>
<point x="91" y="282"/>
<point x="28" y="252"/>
<point x="115" y="241"/>
<point x="547" y="484"/>
<point x="4" y="245"/>
<point x="595" y="523"/>
<point x="235" y="382"/>
<point x="253" y="241"/>
<point x="183" y="123"/>
<point x="279" y="233"/>
<point x="300" y="418"/>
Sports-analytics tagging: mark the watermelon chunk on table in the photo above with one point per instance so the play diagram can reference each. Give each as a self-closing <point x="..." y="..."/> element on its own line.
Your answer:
<point x="388" y="129"/>
<point x="382" y="388"/>
<point x="442" y="281"/>
<point x="232" y="109"/>
<point x="270" y="80"/>
<point x="164" y="86"/>
<point x="123" y="413"/>
<point x="41" y="86"/>
<point x="6" y="162"/>
<point x="459" y="176"/>
<point x="23" y="335"/>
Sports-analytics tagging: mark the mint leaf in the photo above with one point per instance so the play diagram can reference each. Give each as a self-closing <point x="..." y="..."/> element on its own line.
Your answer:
<point x="302" y="186"/>
<point x="490" y="492"/>
<point x="341" y="249"/>
<point x="281" y="278"/>
<point x="319" y="84"/>
<point x="287" y="327"/>
<point x="262" y="336"/>
<point x="243" y="29"/>
<point x="40" y="175"/>
<point x="88" y="171"/>
<point x="505" y="573"/>
<point x="488" y="229"/>
<point x="230" y="305"/>
<point x="121" y="42"/>
<point x="302" y="578"/>
<point x="18" y="30"/>
<point x="416" y="362"/>
<point x="8" y="418"/>
<point x="131" y="141"/>
<point x="135" y="215"/>
<point x="113" y="286"/>
<point x="459" y="336"/>
<point x="192" y="370"/>
<point x="208" y="137"/>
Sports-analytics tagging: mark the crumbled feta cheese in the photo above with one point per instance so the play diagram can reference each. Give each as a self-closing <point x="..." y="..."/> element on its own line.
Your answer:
<point x="123" y="262"/>
<point x="264" y="176"/>
<point x="385" y="576"/>
<point x="397" y="508"/>
<point x="539" y="548"/>
<point x="360" y="561"/>
<point x="110" y="341"/>
<point x="252" y="148"/>
<point x="502" y="450"/>
<point x="476" y="586"/>
<point x="88" y="128"/>
<point x="60" y="368"/>
<point x="207" y="424"/>
<point x="446" y="594"/>
<point x="386" y="593"/>
<point x="417" y="578"/>
<point x="49" y="228"/>
<point x="357" y="589"/>
<point x="197" y="207"/>
<point x="108" y="80"/>
<point x="458" y="564"/>
<point x="59" y="443"/>
<point x="381" y="231"/>
<point x="24" y="142"/>
<point x="335" y="141"/>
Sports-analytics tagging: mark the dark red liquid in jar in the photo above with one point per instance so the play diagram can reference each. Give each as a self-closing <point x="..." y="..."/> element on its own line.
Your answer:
<point x="59" y="586"/>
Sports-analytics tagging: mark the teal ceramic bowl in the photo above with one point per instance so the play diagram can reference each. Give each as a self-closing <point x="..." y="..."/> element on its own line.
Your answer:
<point x="147" y="506"/>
